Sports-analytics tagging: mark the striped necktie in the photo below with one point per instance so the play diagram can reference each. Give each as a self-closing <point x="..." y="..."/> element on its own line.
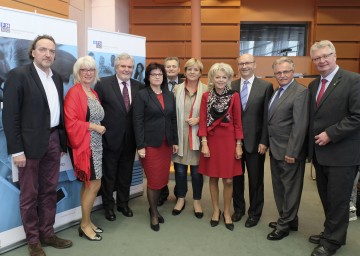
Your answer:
<point x="244" y="94"/>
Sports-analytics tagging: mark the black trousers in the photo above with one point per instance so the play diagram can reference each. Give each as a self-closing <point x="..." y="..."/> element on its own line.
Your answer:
<point x="117" y="176"/>
<point x="255" y="170"/>
<point x="334" y="185"/>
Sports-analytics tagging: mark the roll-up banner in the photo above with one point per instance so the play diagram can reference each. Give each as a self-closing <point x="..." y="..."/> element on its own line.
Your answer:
<point x="104" y="47"/>
<point x="17" y="30"/>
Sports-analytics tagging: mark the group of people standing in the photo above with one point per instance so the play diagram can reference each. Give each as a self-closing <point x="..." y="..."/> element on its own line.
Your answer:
<point x="218" y="130"/>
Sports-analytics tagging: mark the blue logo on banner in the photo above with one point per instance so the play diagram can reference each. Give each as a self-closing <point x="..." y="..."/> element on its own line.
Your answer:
<point x="98" y="44"/>
<point x="5" y="27"/>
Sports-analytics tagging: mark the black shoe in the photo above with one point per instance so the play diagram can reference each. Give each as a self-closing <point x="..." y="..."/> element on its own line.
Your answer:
<point x="237" y="215"/>
<point x="155" y="227"/>
<point x="229" y="226"/>
<point x="315" y="239"/>
<point x="126" y="211"/>
<point x="277" y="235"/>
<point x="160" y="218"/>
<point x="97" y="237"/>
<point x="274" y="224"/>
<point x="198" y="215"/>
<point x="214" y="223"/>
<point x="110" y="215"/>
<point x="322" y="251"/>
<point x="251" y="222"/>
<point x="176" y="211"/>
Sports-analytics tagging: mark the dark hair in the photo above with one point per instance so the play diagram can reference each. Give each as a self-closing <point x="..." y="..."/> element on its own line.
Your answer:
<point x="151" y="67"/>
<point x="137" y="73"/>
<point x="37" y="39"/>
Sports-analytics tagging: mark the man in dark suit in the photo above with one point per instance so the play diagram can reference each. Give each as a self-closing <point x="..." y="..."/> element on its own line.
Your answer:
<point x="334" y="143"/>
<point x="287" y="128"/>
<point x="33" y="121"/>
<point x="255" y="95"/>
<point x="172" y="68"/>
<point x="116" y="94"/>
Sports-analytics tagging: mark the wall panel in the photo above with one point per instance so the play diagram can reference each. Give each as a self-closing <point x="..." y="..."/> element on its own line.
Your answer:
<point x="343" y="33"/>
<point x="345" y="16"/>
<point x="56" y="8"/>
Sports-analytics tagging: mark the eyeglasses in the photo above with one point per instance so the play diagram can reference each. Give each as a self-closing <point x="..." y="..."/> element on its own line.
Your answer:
<point x="155" y="75"/>
<point x="91" y="70"/>
<point x="325" y="57"/>
<point x="245" y="63"/>
<point x="285" y="72"/>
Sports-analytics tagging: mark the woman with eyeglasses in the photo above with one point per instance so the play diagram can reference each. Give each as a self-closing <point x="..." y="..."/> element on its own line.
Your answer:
<point x="83" y="114"/>
<point x="154" y="117"/>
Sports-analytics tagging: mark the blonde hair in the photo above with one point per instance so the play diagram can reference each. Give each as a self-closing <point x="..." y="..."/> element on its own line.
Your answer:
<point x="193" y="62"/>
<point x="220" y="67"/>
<point x="85" y="62"/>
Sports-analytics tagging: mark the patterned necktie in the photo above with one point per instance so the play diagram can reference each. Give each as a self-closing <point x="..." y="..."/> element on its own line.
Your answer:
<point x="321" y="92"/>
<point x="276" y="100"/>
<point x="244" y="94"/>
<point x="125" y="94"/>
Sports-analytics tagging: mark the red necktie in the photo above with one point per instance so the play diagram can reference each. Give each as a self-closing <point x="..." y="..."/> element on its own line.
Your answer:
<point x="321" y="92"/>
<point x="125" y="94"/>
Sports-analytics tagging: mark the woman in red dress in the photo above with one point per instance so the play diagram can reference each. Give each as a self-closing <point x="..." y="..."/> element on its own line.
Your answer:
<point x="154" y="117"/>
<point x="221" y="133"/>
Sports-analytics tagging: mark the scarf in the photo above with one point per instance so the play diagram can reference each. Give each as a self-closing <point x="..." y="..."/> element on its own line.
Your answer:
<point x="179" y="92"/>
<point x="218" y="106"/>
<point x="77" y="129"/>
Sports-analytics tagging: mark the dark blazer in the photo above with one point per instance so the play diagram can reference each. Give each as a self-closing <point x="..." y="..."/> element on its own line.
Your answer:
<point x="338" y="114"/>
<point x="152" y="122"/>
<point x="254" y="116"/>
<point x="117" y="121"/>
<point x="26" y="113"/>
<point x="288" y="123"/>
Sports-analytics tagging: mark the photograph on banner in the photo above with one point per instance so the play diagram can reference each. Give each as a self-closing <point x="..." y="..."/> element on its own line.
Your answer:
<point x="14" y="53"/>
<point x="104" y="46"/>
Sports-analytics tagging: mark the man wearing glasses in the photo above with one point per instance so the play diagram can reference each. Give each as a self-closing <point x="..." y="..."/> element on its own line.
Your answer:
<point x="33" y="120"/>
<point x="255" y="95"/>
<point x="287" y="127"/>
<point x="116" y="94"/>
<point x="334" y="143"/>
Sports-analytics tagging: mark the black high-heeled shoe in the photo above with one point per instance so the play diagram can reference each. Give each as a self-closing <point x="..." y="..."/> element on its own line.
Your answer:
<point x="229" y="226"/>
<point x="160" y="218"/>
<point x="155" y="227"/>
<point x="214" y="223"/>
<point x="198" y="215"/>
<point x="98" y="230"/>
<point x="97" y="237"/>
<point x="177" y="212"/>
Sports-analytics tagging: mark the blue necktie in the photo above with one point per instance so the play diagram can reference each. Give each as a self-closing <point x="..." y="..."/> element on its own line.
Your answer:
<point x="244" y="94"/>
<point x="276" y="100"/>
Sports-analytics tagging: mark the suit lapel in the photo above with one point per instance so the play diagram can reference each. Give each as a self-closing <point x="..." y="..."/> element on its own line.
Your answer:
<point x="254" y="91"/>
<point x="283" y="97"/>
<point x="155" y="100"/>
<point x="334" y="82"/>
<point x="38" y="82"/>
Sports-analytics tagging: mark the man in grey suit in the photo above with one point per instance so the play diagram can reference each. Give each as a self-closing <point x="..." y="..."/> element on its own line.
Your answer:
<point x="287" y="127"/>
<point x="334" y="143"/>
<point x="255" y="95"/>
